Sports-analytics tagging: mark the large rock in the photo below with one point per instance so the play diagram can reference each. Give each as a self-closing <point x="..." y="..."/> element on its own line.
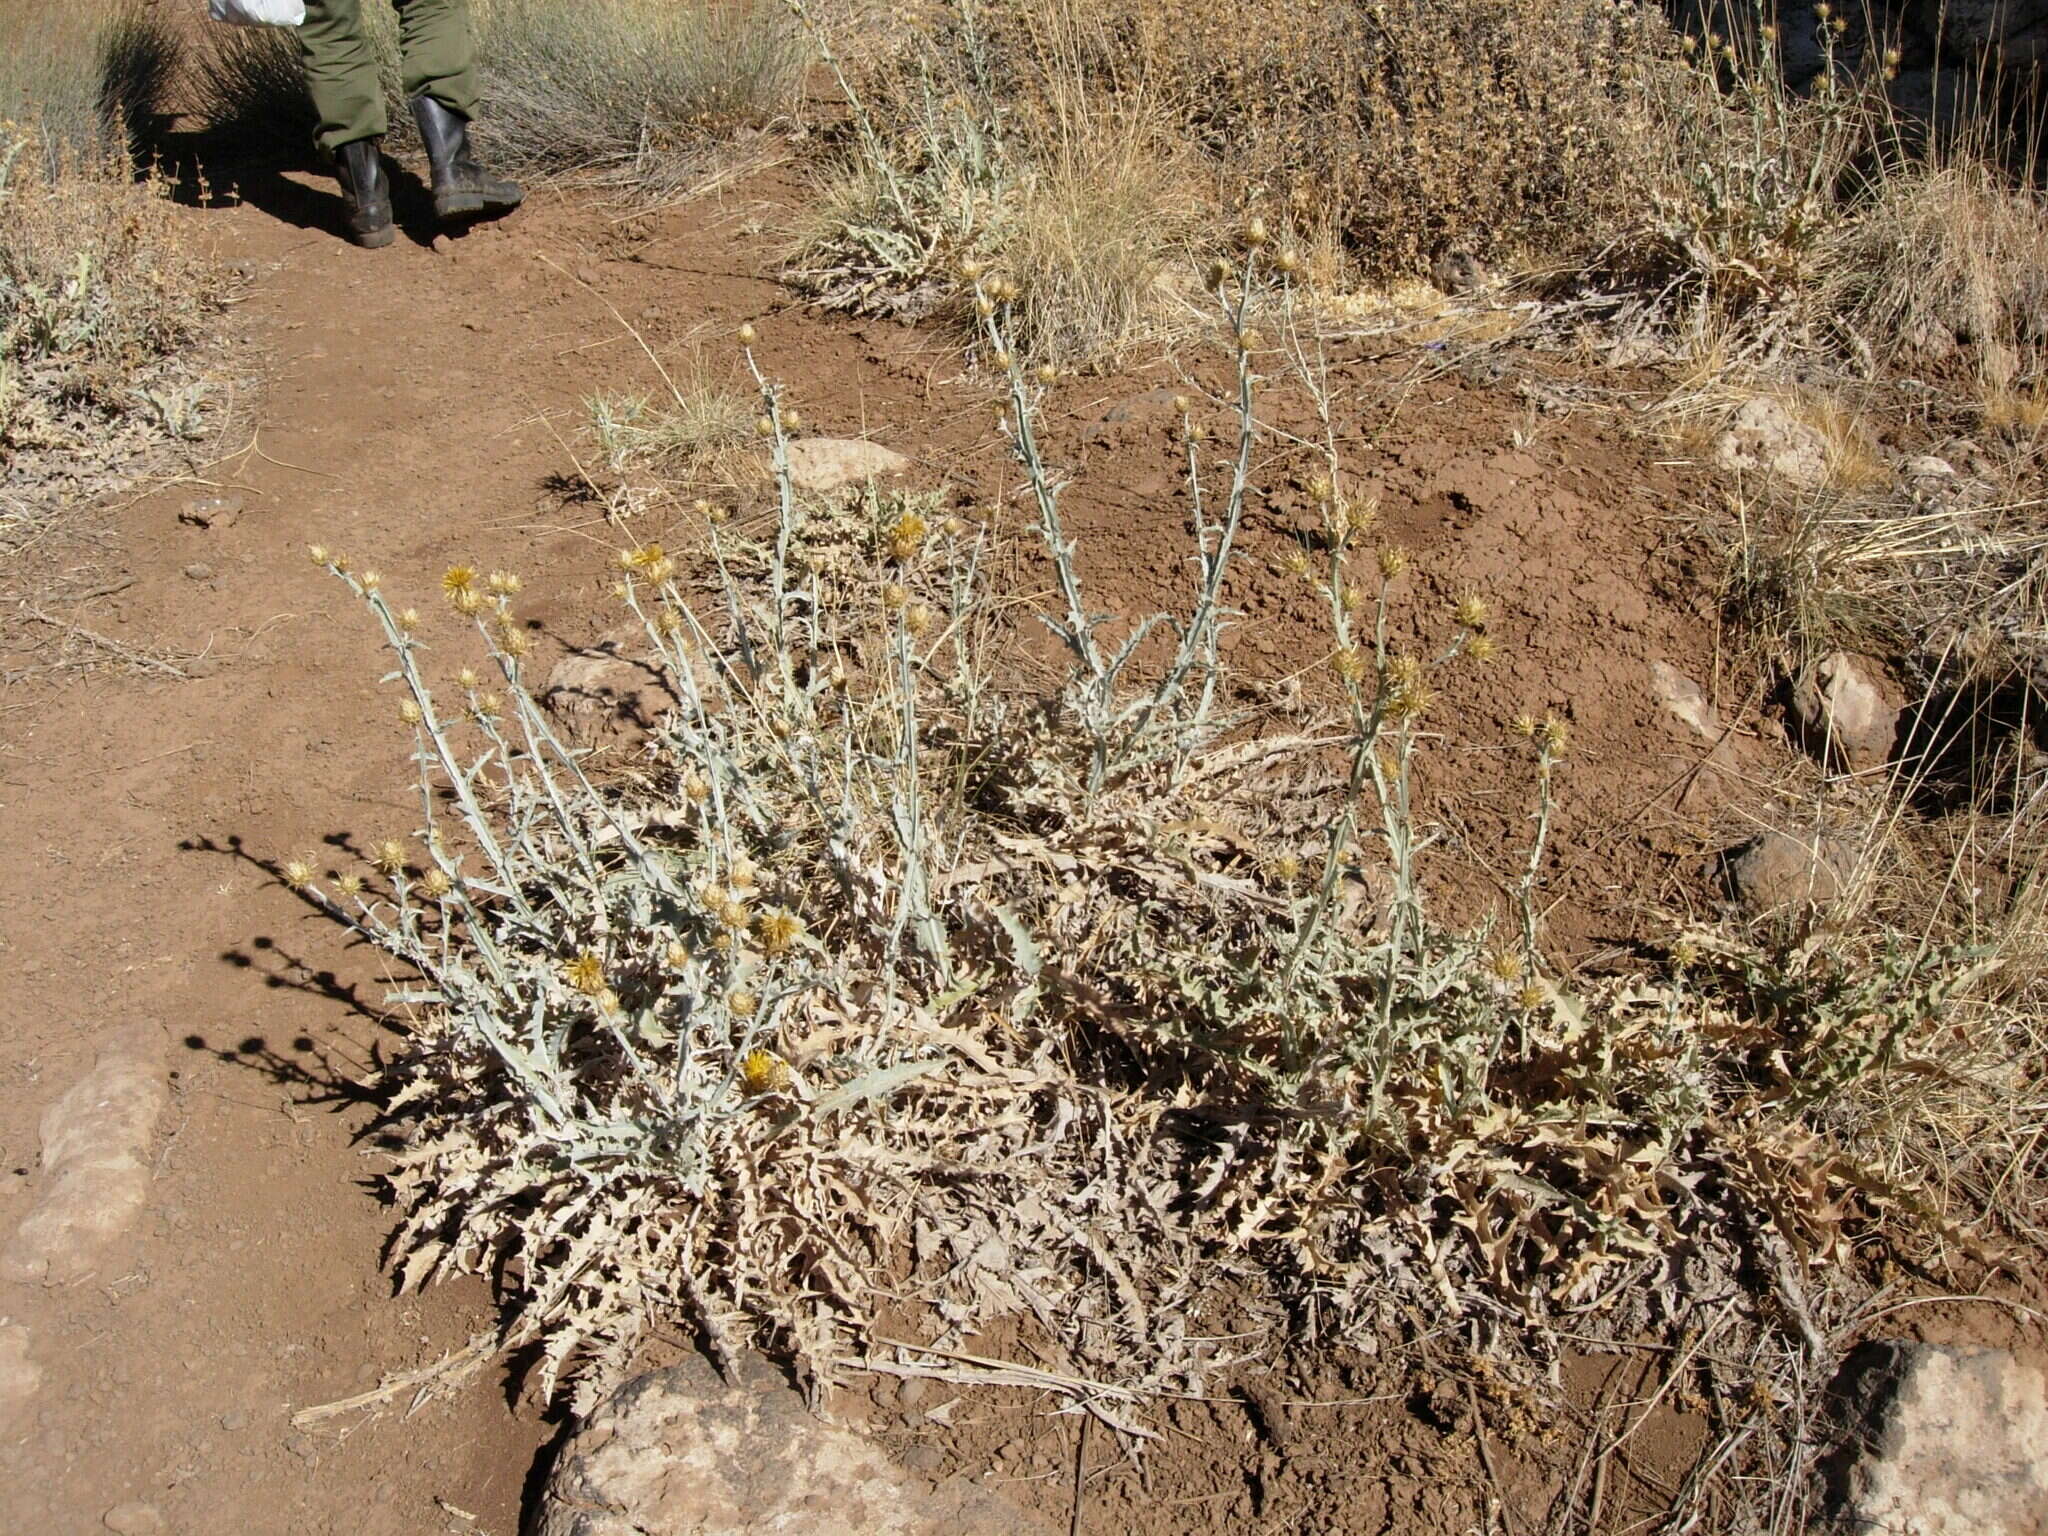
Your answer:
<point x="1848" y="712"/>
<point x="679" y="1452"/>
<point x="1941" y="1442"/>
<point x="1785" y="872"/>
<point x="95" y="1142"/>
<point x="1765" y="438"/>
<point x="822" y="464"/>
<point x="2012" y="31"/>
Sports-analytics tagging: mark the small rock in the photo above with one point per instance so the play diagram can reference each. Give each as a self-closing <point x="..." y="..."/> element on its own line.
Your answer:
<point x="1782" y="872"/>
<point x="19" y="1375"/>
<point x="235" y="1420"/>
<point x="1766" y="438"/>
<point x="1848" y="712"/>
<point x="444" y="245"/>
<point x="212" y="512"/>
<point x="95" y="1177"/>
<point x="1927" y="467"/>
<point x="821" y="464"/>
<point x="199" y="570"/>
<point x="617" y="682"/>
<point x="1685" y="700"/>
<point x="681" y="1453"/>
<point x="133" y="1519"/>
<point x="925" y="1460"/>
<point x="912" y="1390"/>
<point x="1940" y="1442"/>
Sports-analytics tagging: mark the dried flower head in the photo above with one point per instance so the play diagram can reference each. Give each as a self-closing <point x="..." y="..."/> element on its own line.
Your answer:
<point x="409" y="711"/>
<point x="370" y="581"/>
<point x="1217" y="275"/>
<point x="743" y="1005"/>
<point x="1506" y="966"/>
<point x="1286" y="869"/>
<point x="676" y="955"/>
<point x="409" y="620"/>
<point x="436" y="883"/>
<point x="1297" y="563"/>
<point x="468" y="679"/>
<point x="1481" y="646"/>
<point x="1255" y="234"/>
<point x="1523" y="724"/>
<point x="585" y="973"/>
<point x="763" y="1072"/>
<point x="917" y="619"/>
<point x="466" y="601"/>
<point x="319" y="554"/>
<point x="1393" y="561"/>
<point x="1553" y="736"/>
<point x="298" y="872"/>
<point x="906" y="536"/>
<point x="763" y="427"/>
<point x="894" y="597"/>
<point x="1350" y="664"/>
<point x="734" y="914"/>
<point x="504" y="583"/>
<point x="389" y="856"/>
<point x="748" y="335"/>
<point x="1472" y="611"/>
<point x="350" y="885"/>
<point x="776" y="931"/>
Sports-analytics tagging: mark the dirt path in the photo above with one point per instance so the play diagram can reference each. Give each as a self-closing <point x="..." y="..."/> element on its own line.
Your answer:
<point x="404" y="412"/>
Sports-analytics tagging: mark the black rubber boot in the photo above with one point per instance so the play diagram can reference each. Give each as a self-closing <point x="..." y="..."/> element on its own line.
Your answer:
<point x="360" y="169"/>
<point x="462" y="188"/>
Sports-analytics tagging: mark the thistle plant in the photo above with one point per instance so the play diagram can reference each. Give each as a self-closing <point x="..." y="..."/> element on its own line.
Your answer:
<point x="874" y="964"/>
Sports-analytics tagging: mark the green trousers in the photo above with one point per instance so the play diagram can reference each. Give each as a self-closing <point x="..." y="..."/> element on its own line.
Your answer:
<point x="436" y="52"/>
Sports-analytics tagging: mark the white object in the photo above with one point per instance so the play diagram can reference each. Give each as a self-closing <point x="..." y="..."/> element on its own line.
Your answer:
<point x="258" y="13"/>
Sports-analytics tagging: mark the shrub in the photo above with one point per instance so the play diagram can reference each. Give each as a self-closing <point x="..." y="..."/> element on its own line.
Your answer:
<point x="98" y="288"/>
<point x="1066" y="1005"/>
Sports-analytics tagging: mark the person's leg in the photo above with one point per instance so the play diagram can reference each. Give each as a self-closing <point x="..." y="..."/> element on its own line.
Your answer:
<point x="439" y="66"/>
<point x="437" y="53"/>
<point x="341" y="73"/>
<point x="348" y="98"/>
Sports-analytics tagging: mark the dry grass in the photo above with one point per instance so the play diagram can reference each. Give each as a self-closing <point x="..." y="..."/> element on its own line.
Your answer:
<point x="1944" y="257"/>
<point x="88" y="77"/>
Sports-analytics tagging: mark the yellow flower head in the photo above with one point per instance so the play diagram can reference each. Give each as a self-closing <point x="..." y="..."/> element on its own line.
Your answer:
<point x="435" y="883"/>
<point x="1393" y="561"/>
<point x="777" y="931"/>
<point x="1553" y="736"/>
<point x="457" y="578"/>
<point x="1350" y="664"/>
<point x="1286" y="869"/>
<point x="1472" y="611"/>
<point x="905" y="535"/>
<point x="409" y="711"/>
<point x="504" y="583"/>
<point x="763" y="1072"/>
<point x="585" y="973"/>
<point x="389" y="856"/>
<point x="1481" y="646"/>
<point x="298" y="873"/>
<point x="643" y="558"/>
